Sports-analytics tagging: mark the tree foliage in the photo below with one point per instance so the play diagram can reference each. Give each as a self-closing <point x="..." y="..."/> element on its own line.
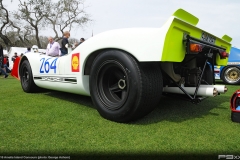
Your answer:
<point x="5" y="24"/>
<point x="23" y="26"/>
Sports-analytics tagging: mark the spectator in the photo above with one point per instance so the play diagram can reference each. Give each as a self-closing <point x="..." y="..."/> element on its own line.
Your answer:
<point x="65" y="43"/>
<point x="53" y="48"/>
<point x="81" y="41"/>
<point x="14" y="57"/>
<point x="28" y="50"/>
<point x="6" y="64"/>
<point x="1" y="62"/>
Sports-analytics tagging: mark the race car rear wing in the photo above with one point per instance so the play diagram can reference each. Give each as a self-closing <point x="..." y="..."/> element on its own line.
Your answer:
<point x="184" y="24"/>
<point x="185" y="16"/>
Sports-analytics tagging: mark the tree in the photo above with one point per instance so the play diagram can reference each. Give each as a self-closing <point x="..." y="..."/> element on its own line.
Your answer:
<point x="41" y="14"/>
<point x="12" y="32"/>
<point x="33" y="16"/>
<point x="69" y="14"/>
<point x="34" y="12"/>
<point x="4" y="23"/>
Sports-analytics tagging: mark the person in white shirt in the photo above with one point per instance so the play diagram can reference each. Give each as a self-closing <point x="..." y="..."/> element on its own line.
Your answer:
<point x="53" y="48"/>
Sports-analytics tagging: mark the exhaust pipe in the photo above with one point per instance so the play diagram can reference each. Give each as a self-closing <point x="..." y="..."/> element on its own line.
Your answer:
<point x="220" y="88"/>
<point x="202" y="91"/>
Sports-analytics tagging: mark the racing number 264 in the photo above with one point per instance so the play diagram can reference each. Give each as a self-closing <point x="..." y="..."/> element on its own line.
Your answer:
<point x="48" y="64"/>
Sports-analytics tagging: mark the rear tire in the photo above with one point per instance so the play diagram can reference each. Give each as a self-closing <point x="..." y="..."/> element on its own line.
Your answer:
<point x="122" y="89"/>
<point x="231" y="75"/>
<point x="26" y="78"/>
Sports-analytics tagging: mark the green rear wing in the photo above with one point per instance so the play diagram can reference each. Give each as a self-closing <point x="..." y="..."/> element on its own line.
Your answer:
<point x="183" y="25"/>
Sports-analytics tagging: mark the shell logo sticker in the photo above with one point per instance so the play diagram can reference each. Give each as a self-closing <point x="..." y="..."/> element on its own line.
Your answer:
<point x="75" y="63"/>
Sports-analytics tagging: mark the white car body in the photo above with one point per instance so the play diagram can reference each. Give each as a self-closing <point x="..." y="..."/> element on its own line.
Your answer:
<point x="145" y="44"/>
<point x="134" y="41"/>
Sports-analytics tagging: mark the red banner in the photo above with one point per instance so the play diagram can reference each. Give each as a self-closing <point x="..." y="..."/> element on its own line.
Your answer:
<point x="14" y="71"/>
<point x="75" y="62"/>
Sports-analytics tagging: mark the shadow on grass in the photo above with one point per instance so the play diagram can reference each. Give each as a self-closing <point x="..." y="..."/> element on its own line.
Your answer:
<point x="169" y="109"/>
<point x="75" y="98"/>
<point x="178" y="110"/>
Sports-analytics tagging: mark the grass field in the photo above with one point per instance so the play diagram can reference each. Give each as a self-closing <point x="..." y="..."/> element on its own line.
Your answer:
<point x="63" y="123"/>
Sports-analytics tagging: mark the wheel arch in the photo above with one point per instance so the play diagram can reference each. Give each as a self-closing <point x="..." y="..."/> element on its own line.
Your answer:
<point x="90" y="59"/>
<point x="221" y="72"/>
<point x="21" y="61"/>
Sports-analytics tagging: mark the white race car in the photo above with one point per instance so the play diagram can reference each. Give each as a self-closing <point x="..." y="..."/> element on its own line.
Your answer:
<point x="126" y="71"/>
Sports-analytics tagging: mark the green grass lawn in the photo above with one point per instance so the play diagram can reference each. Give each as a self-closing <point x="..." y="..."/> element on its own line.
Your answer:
<point x="63" y="123"/>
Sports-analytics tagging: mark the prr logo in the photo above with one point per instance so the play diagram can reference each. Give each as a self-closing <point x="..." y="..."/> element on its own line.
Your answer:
<point x="228" y="157"/>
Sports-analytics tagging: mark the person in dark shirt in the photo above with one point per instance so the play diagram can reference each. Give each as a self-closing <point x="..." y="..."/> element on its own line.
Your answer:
<point x="2" y="69"/>
<point x="14" y="57"/>
<point x="81" y="41"/>
<point x="65" y="44"/>
<point x="6" y="64"/>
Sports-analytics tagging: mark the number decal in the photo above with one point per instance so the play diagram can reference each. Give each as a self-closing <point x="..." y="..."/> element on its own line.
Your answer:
<point x="41" y="68"/>
<point x="48" y="64"/>
<point x="54" y="65"/>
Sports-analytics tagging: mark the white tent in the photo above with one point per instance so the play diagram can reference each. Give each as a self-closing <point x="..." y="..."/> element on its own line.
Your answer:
<point x="19" y="51"/>
<point x="5" y="52"/>
<point x="11" y="52"/>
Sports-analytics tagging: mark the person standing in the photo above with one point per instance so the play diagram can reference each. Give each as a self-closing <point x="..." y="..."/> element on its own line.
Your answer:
<point x="81" y="41"/>
<point x="14" y="57"/>
<point x="6" y="64"/>
<point x="1" y="62"/>
<point x="28" y="50"/>
<point x="65" y="43"/>
<point x="53" y="48"/>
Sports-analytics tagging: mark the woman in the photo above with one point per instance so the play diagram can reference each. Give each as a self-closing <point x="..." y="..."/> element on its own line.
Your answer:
<point x="2" y="69"/>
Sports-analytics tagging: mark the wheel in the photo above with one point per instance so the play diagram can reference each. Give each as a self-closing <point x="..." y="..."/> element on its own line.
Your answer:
<point x="26" y="78"/>
<point x="231" y="75"/>
<point x="122" y="89"/>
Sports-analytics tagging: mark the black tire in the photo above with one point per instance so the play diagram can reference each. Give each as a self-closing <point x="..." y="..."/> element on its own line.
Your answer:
<point x="122" y="89"/>
<point x="26" y="78"/>
<point x="231" y="75"/>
